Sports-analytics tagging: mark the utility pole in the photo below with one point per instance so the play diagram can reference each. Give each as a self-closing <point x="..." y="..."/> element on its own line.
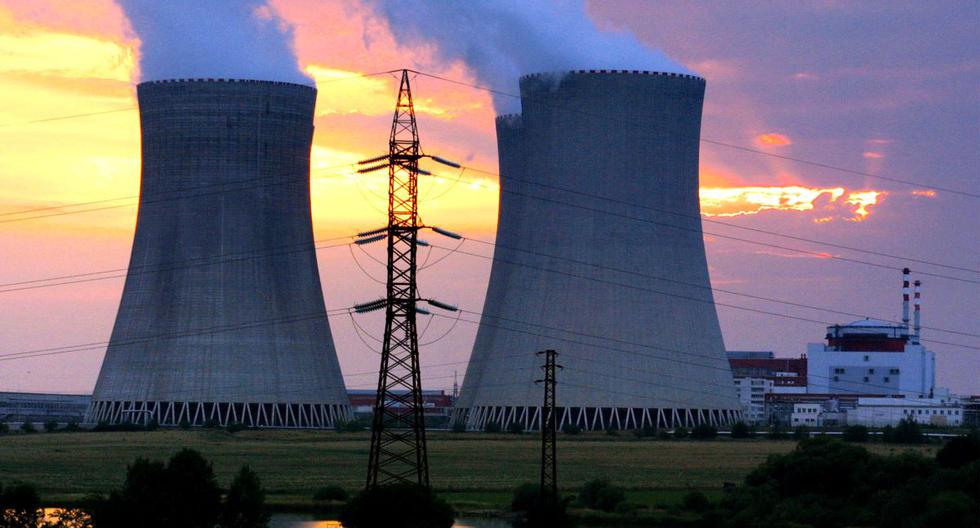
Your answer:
<point x="398" y="450"/>
<point x="549" y="427"/>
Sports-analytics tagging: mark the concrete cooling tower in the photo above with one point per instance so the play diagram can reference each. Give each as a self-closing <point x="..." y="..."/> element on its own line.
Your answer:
<point x="222" y="317"/>
<point x="600" y="256"/>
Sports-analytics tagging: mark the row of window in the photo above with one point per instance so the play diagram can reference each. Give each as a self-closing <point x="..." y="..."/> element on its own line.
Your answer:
<point x="892" y="371"/>
<point x="941" y="412"/>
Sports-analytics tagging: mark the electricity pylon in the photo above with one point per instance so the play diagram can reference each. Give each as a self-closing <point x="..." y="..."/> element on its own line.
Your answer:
<point x="549" y="427"/>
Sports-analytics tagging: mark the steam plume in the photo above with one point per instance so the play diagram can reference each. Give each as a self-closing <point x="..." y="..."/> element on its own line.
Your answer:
<point x="504" y="39"/>
<point x="240" y="39"/>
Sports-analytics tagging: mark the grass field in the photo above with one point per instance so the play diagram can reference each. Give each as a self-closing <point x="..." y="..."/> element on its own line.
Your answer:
<point x="474" y="471"/>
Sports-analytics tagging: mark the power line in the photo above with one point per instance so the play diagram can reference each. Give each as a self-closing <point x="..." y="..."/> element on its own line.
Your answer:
<point x="843" y="170"/>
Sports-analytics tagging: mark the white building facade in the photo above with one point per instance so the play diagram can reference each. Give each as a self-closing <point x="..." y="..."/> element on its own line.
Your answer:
<point x="879" y="412"/>
<point x="871" y="357"/>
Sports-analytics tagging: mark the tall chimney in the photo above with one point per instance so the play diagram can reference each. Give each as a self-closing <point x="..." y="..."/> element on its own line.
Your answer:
<point x="905" y="299"/>
<point x="918" y="302"/>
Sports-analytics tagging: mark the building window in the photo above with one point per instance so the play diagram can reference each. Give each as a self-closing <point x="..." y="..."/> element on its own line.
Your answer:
<point x="894" y="371"/>
<point x="836" y="378"/>
<point x="838" y="371"/>
<point x="865" y="379"/>
<point x="867" y="358"/>
<point x="871" y="371"/>
<point x="887" y="379"/>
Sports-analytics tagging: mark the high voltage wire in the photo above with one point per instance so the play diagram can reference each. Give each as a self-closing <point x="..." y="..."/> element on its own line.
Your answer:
<point x="727" y="224"/>
<point x="828" y="166"/>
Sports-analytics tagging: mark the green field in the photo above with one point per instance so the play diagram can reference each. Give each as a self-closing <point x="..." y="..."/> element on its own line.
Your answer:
<point x="474" y="471"/>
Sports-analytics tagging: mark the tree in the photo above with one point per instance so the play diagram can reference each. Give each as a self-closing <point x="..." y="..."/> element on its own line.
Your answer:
<point x="402" y="505"/>
<point x="704" y="431"/>
<point x="907" y="431"/>
<point x="539" y="511"/>
<point x="855" y="433"/>
<point x="330" y="493"/>
<point x="50" y="426"/>
<point x="695" y="501"/>
<point x="599" y="494"/>
<point x="959" y="452"/>
<point x="20" y="506"/>
<point x="244" y="505"/>
<point x="28" y="427"/>
<point x="491" y="427"/>
<point x="515" y="427"/>
<point x="680" y="433"/>
<point x="741" y="430"/>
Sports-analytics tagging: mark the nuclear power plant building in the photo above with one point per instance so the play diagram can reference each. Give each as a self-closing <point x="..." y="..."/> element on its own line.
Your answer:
<point x="222" y="317"/>
<point x="599" y="255"/>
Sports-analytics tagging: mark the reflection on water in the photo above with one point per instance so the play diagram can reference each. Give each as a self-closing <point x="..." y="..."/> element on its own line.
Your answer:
<point x="294" y="520"/>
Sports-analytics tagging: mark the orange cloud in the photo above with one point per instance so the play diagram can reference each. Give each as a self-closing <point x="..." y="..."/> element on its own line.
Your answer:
<point x="873" y="155"/>
<point x="741" y="201"/>
<point x="924" y="192"/>
<point x="773" y="139"/>
<point x="863" y="200"/>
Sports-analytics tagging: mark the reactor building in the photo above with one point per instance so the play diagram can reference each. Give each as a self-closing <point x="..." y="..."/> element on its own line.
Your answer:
<point x="599" y="255"/>
<point x="222" y="318"/>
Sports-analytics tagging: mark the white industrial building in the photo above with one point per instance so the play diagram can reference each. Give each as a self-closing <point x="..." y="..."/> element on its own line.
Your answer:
<point x="874" y="357"/>
<point x="879" y="412"/>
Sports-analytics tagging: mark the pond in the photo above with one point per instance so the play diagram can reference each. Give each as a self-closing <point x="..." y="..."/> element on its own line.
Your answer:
<point x="299" y="520"/>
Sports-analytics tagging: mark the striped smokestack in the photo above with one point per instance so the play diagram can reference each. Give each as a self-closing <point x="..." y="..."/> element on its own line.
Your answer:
<point x="918" y="303"/>
<point x="905" y="299"/>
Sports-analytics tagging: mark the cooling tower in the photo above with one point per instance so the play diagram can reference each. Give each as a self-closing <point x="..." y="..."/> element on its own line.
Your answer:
<point x="222" y="317"/>
<point x="599" y="255"/>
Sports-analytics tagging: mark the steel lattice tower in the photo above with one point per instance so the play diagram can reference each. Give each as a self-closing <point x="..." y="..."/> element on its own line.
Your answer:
<point x="549" y="427"/>
<point x="398" y="450"/>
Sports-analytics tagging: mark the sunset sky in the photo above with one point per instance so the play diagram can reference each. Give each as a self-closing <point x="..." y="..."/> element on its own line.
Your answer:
<point x="887" y="89"/>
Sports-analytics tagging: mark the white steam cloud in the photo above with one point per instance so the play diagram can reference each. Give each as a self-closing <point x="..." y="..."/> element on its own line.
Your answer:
<point x="238" y="39"/>
<point x="504" y="39"/>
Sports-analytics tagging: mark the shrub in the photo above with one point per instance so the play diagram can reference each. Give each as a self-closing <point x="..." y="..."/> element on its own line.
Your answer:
<point x="524" y="497"/>
<point x="50" y="426"/>
<point x="353" y="426"/>
<point x="695" y="501"/>
<point x="185" y="424"/>
<point x="539" y="511"/>
<point x="211" y="423"/>
<point x="4" y="428"/>
<point x="459" y="426"/>
<point x="515" y="427"/>
<point x="491" y="427"/>
<point x="959" y="452"/>
<point x="907" y="431"/>
<point x="72" y="427"/>
<point x="235" y="427"/>
<point x="612" y="432"/>
<point x="27" y="427"/>
<point x="599" y="494"/>
<point x="777" y="431"/>
<point x="152" y="425"/>
<point x="20" y="506"/>
<point x="573" y="429"/>
<point x="680" y="433"/>
<point x="647" y="431"/>
<point x="330" y="493"/>
<point x="741" y="430"/>
<point x="244" y="507"/>
<point x="704" y="431"/>
<point x="801" y="432"/>
<point x="402" y="505"/>
<point x="855" y="433"/>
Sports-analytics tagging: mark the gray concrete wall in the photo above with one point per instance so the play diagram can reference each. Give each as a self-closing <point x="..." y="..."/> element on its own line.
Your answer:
<point x="222" y="302"/>
<point x="633" y="138"/>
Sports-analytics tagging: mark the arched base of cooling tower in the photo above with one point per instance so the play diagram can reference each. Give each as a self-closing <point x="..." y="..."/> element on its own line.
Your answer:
<point x="174" y="413"/>
<point x="596" y="418"/>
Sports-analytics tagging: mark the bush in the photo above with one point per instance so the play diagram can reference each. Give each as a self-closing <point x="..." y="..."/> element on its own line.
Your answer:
<point x="801" y="432"/>
<point x="50" y="426"/>
<point x="515" y="427"/>
<point x="235" y="427"/>
<point x="185" y="424"/>
<point x="459" y="426"/>
<point x="539" y="511"/>
<point x="741" y="430"/>
<point x="152" y="425"/>
<point x="244" y="507"/>
<point x="612" y="432"/>
<point x="330" y="493"/>
<point x="4" y="428"/>
<point x="491" y="427"/>
<point x="777" y="431"/>
<point x="402" y="505"/>
<point x="680" y="433"/>
<point x="959" y="452"/>
<point x="573" y="429"/>
<point x="647" y="431"/>
<point x="855" y="433"/>
<point x="20" y="506"/>
<point x="72" y="427"/>
<point x="704" y="431"/>
<point x="695" y="501"/>
<point x="28" y="427"/>
<point x="211" y="423"/>
<point x="599" y="494"/>
<point x="353" y="426"/>
<point x="907" y="431"/>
